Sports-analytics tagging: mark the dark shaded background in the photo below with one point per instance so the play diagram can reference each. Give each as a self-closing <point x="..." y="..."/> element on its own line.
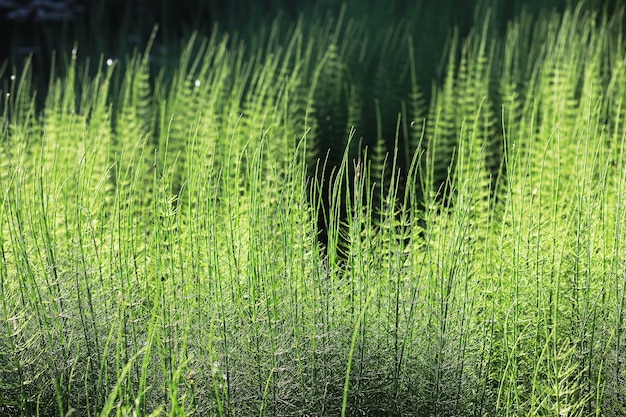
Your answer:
<point x="114" y="28"/>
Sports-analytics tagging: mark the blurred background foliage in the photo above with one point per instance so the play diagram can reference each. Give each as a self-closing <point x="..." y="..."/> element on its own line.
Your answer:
<point x="114" y="28"/>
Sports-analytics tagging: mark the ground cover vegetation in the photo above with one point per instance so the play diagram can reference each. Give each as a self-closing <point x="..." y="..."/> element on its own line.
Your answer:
<point x="159" y="232"/>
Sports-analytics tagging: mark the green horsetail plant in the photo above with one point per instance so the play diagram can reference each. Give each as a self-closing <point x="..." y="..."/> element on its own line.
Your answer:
<point x="160" y="243"/>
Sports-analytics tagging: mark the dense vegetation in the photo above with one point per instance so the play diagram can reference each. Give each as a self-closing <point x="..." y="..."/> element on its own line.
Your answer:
<point x="159" y="231"/>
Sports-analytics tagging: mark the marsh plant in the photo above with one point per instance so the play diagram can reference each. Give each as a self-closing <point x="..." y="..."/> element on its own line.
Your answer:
<point x="159" y="234"/>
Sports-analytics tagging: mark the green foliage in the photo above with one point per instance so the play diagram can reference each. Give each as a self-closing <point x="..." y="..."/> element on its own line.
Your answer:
<point x="159" y="232"/>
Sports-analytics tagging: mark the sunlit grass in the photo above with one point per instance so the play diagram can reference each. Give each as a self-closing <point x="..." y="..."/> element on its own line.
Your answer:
<point x="159" y="236"/>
